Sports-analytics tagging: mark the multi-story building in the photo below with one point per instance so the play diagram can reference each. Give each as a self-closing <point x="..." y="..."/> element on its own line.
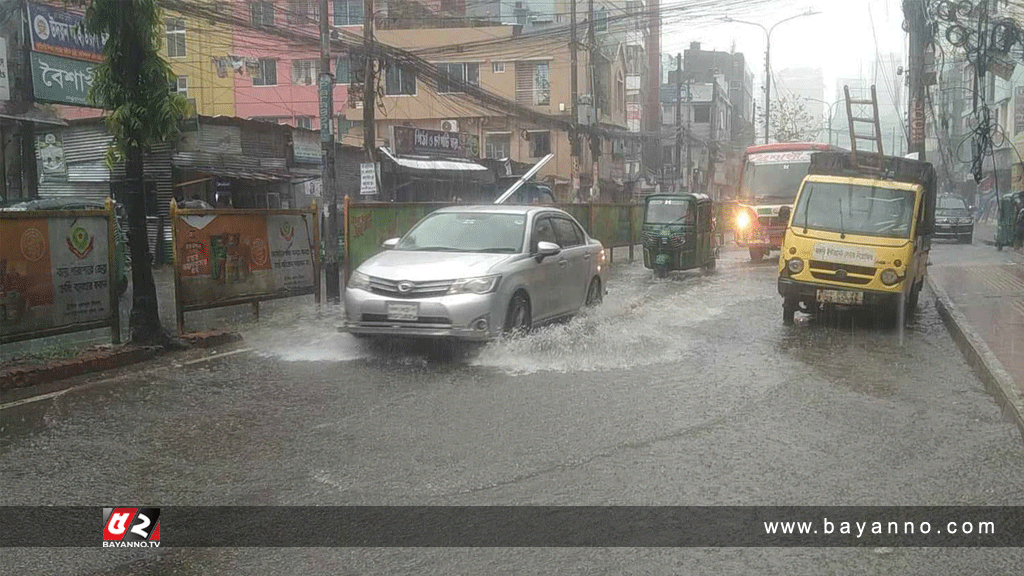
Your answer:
<point x="705" y="127"/>
<point x="189" y="45"/>
<point x="701" y="64"/>
<point x="532" y="72"/>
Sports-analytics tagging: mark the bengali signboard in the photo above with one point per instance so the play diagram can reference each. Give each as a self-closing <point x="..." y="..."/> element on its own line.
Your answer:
<point x="61" y="80"/>
<point x="792" y="157"/>
<point x="5" y="82"/>
<point x="1018" y="110"/>
<point x="222" y="258"/>
<point x="60" y="33"/>
<point x="54" y="273"/>
<point x="419" y="141"/>
<point x="305" y="147"/>
<point x="50" y="158"/>
<point x="367" y="178"/>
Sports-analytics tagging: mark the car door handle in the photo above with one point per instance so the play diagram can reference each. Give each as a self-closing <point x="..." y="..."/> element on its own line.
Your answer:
<point x="586" y="256"/>
<point x="563" y="263"/>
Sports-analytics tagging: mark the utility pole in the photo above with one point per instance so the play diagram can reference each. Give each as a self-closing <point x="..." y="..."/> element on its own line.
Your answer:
<point x="713" y="136"/>
<point x="574" y="133"/>
<point x="652" y="108"/>
<point x="689" y="135"/>
<point x="595" y="140"/>
<point x="329" y="190"/>
<point x="369" y="85"/>
<point x="767" y="84"/>
<point x="679" y="121"/>
<point x="918" y="44"/>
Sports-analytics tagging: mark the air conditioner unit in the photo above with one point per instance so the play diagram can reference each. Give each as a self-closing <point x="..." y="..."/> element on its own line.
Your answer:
<point x="450" y="125"/>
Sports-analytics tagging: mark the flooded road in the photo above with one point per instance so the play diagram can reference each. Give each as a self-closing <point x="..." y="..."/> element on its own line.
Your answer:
<point x="683" y="391"/>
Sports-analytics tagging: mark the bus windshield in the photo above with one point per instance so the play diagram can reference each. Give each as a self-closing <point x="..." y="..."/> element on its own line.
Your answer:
<point x="854" y="209"/>
<point x="774" y="176"/>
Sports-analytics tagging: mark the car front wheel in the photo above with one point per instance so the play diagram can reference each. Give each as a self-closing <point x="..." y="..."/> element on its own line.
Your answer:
<point x="517" y="320"/>
<point x="594" y="293"/>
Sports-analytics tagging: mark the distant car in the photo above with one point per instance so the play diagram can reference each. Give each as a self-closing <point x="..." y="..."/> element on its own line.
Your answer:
<point x="122" y="258"/>
<point x="476" y="273"/>
<point x="953" y="219"/>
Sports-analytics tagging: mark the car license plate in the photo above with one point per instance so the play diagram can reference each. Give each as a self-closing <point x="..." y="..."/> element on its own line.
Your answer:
<point x="847" y="297"/>
<point x="403" y="311"/>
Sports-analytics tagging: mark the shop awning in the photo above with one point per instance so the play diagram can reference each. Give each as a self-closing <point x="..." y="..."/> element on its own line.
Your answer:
<point x="30" y="112"/>
<point x="434" y="164"/>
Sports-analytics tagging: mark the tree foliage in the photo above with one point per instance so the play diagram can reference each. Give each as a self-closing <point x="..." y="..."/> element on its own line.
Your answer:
<point x="790" y="121"/>
<point x="133" y="81"/>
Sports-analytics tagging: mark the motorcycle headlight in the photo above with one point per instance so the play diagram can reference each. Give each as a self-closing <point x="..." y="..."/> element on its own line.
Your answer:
<point x="795" y="265"/>
<point x="890" y="277"/>
<point x="742" y="220"/>
<point x="358" y="280"/>
<point x="481" y="285"/>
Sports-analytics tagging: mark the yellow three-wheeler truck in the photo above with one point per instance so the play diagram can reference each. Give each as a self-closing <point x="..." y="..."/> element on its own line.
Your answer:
<point x="858" y="236"/>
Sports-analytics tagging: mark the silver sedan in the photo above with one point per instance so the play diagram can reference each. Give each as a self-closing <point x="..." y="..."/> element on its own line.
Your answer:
<point x="475" y="273"/>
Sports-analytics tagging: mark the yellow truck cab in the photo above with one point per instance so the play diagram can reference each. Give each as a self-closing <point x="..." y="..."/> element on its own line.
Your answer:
<point x="858" y="235"/>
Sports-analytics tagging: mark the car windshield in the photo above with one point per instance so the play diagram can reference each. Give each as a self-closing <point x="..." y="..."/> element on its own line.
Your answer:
<point x="466" y="232"/>
<point x="952" y="206"/>
<point x="773" y="181"/>
<point x="668" y="211"/>
<point x="855" y="209"/>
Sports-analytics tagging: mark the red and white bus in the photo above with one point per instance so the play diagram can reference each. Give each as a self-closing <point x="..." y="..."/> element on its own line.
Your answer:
<point x="770" y="178"/>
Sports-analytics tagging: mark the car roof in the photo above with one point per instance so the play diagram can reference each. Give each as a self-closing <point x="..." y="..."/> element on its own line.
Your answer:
<point x="498" y="209"/>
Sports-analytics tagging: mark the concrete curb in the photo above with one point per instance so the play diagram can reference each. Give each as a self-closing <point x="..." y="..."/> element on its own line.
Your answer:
<point x="980" y="357"/>
<point x="99" y="359"/>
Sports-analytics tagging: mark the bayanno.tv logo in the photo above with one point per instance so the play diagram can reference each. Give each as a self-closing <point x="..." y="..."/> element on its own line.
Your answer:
<point x="131" y="527"/>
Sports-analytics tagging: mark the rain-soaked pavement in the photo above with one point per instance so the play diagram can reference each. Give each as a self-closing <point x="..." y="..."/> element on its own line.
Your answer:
<point x="686" y="391"/>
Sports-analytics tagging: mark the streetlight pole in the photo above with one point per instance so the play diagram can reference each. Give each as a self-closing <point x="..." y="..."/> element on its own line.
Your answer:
<point x="767" y="61"/>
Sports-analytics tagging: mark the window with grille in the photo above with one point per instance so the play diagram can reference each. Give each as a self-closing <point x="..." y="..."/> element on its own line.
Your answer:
<point x="262" y="13"/>
<point x="532" y="85"/>
<point x="175" y="28"/>
<point x="348" y="12"/>
<point x="702" y="113"/>
<point x="399" y="82"/>
<point x="303" y="11"/>
<point x="304" y="72"/>
<point x="179" y="85"/>
<point x="455" y="75"/>
<point x="304" y="122"/>
<point x="540" y="144"/>
<point x="498" y="67"/>
<point x="498" y="145"/>
<point x="601" y="20"/>
<point x="268" y="73"/>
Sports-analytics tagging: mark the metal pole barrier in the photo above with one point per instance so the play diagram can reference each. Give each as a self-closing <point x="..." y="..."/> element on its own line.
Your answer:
<point x="112" y="279"/>
<point x="179" y="310"/>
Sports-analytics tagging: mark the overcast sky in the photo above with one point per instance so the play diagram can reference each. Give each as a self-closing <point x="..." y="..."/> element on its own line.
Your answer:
<point x="839" y="39"/>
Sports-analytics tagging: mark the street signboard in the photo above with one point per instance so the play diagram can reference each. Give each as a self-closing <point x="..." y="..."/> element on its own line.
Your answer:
<point x="326" y="88"/>
<point x="917" y="122"/>
<point x="60" y="33"/>
<point x="305" y="147"/>
<point x="61" y="80"/>
<point x="1018" y="110"/>
<point x="409" y="140"/>
<point x="367" y="179"/>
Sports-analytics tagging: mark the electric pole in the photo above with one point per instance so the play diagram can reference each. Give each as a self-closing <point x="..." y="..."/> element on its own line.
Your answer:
<point x="767" y="84"/>
<point x="679" y="121"/>
<point x="689" y="135"/>
<point x="713" y="137"/>
<point x="595" y="140"/>
<point x="328" y="188"/>
<point x="574" y="133"/>
<point x="369" y="85"/>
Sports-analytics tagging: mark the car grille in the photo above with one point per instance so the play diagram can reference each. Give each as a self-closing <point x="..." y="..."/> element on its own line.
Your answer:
<point x="654" y="240"/>
<point x="420" y="320"/>
<point x="418" y="289"/>
<point x="855" y="275"/>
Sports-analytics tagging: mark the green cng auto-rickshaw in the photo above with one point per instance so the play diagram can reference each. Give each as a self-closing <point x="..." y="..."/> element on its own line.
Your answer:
<point x="679" y="233"/>
<point x="1009" y="205"/>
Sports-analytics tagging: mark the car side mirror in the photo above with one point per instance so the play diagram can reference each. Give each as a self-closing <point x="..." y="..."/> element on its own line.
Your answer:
<point x="784" y="213"/>
<point x="545" y="249"/>
<point x="390" y="243"/>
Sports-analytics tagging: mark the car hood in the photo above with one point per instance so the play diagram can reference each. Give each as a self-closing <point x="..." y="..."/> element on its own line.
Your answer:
<point x="424" y="266"/>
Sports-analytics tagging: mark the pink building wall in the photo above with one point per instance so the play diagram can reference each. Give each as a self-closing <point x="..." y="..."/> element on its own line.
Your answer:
<point x="285" y="100"/>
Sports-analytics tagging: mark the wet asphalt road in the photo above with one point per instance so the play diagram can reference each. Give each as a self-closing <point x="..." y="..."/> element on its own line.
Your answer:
<point x="686" y="391"/>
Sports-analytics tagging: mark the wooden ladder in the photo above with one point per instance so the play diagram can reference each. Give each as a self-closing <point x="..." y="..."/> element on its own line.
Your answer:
<point x="867" y="111"/>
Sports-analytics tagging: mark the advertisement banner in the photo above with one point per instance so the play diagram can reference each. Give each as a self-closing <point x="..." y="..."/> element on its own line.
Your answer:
<point x="419" y="141"/>
<point x="305" y="147"/>
<point x="53" y="273"/>
<point x="50" y="158"/>
<point x="60" y="33"/>
<point x="222" y="258"/>
<point x="61" y="80"/>
<point x="5" y="82"/>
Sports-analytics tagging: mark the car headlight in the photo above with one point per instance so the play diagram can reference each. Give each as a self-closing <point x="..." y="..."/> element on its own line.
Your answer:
<point x="795" y="265"/>
<point x="358" y="280"/>
<point x="481" y="285"/>
<point x="742" y="220"/>
<point x="890" y="277"/>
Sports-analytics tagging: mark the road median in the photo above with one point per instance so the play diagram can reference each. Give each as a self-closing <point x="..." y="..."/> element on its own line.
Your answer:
<point x="26" y="373"/>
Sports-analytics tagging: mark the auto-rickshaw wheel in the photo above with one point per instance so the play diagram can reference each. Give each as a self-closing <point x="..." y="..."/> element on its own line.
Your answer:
<point x="660" y="272"/>
<point x="710" y="265"/>
<point x="999" y="247"/>
<point x="594" y="292"/>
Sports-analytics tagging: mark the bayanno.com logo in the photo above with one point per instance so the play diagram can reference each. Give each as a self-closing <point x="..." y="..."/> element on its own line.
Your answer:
<point x="131" y="527"/>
